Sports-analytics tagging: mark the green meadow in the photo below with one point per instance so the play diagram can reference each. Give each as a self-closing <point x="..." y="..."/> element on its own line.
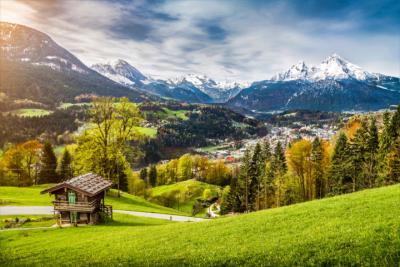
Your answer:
<point x="189" y="192"/>
<point x="31" y="112"/>
<point x="359" y="229"/>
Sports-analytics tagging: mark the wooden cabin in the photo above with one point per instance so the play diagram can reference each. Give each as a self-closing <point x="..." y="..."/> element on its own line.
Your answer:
<point x="81" y="199"/>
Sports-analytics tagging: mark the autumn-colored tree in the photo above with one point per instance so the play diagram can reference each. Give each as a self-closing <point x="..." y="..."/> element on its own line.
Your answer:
<point x="22" y="160"/>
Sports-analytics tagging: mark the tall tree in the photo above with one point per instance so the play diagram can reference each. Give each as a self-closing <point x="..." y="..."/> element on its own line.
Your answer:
<point x="48" y="165"/>
<point x="318" y="173"/>
<point x="65" y="170"/>
<point x="106" y="148"/>
<point x="279" y="169"/>
<point x="371" y="156"/>
<point x="153" y="175"/>
<point x="22" y="160"/>
<point x="339" y="173"/>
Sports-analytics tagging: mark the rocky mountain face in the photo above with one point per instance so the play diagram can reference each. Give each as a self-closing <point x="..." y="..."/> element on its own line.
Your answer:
<point x="334" y="85"/>
<point x="33" y="66"/>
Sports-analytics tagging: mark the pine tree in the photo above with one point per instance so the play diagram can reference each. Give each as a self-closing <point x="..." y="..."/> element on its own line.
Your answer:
<point x="143" y="174"/>
<point x="65" y="170"/>
<point x="358" y="153"/>
<point x="339" y="174"/>
<point x="318" y="174"/>
<point x="153" y="175"/>
<point x="48" y="162"/>
<point x="256" y="169"/>
<point x="393" y="164"/>
<point x="279" y="169"/>
<point x="371" y="157"/>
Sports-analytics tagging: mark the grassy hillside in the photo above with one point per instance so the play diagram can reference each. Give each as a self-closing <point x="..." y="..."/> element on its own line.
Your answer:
<point x="360" y="229"/>
<point x="30" y="196"/>
<point x="185" y="192"/>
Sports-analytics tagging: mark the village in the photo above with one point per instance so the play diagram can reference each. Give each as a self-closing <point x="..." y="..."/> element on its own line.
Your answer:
<point x="232" y="151"/>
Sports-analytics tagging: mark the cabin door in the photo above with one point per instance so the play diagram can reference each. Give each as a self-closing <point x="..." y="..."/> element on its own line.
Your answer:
<point x="72" y="201"/>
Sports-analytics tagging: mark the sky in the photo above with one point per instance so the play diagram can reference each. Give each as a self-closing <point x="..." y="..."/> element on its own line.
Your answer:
<point x="225" y="40"/>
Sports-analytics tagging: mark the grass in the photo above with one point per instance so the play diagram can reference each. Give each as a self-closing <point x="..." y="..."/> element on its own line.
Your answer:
<point x="181" y="114"/>
<point x="68" y="105"/>
<point x="360" y="229"/>
<point x="150" y="132"/>
<point x="31" y="112"/>
<point x="30" y="196"/>
<point x="190" y="191"/>
<point x="35" y="220"/>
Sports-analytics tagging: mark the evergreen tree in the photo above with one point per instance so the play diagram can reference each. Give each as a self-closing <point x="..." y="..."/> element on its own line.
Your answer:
<point x="153" y="175"/>
<point x="143" y="174"/>
<point x="385" y="143"/>
<point x="339" y="174"/>
<point x="393" y="164"/>
<point x="244" y="182"/>
<point x="317" y="158"/>
<point x="256" y="169"/>
<point x="279" y="169"/>
<point x="48" y="165"/>
<point x="65" y="170"/>
<point x="371" y="157"/>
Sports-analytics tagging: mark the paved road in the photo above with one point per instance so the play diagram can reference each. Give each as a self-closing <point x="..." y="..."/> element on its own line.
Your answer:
<point x="17" y="210"/>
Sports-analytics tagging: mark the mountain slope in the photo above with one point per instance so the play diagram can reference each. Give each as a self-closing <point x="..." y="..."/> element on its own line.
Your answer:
<point x="33" y="66"/>
<point x="334" y="85"/>
<point x="359" y="229"/>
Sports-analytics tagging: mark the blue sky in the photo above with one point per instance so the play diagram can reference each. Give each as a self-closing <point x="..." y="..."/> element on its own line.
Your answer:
<point x="234" y="40"/>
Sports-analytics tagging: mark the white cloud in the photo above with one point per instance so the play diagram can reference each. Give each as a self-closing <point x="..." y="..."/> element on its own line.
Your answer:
<point x="259" y="42"/>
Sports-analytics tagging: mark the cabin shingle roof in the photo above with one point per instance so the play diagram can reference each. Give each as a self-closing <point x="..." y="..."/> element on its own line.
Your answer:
<point x="89" y="183"/>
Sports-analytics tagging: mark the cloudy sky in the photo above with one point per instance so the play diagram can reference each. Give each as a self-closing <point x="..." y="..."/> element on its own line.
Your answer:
<point x="234" y="40"/>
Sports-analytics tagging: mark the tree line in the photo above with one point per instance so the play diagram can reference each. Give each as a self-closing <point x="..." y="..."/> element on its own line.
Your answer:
<point x="362" y="156"/>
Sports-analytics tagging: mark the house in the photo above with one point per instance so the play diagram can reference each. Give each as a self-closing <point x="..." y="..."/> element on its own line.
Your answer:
<point x="81" y="199"/>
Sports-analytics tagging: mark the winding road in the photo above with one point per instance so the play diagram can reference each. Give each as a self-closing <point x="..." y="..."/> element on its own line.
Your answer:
<point x="39" y="210"/>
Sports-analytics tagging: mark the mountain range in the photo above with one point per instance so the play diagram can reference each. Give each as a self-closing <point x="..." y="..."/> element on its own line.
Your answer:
<point x="190" y="88"/>
<point x="334" y="85"/>
<point x="33" y="66"/>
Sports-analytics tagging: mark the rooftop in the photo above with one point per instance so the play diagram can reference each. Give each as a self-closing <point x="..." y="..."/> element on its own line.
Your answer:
<point x="90" y="184"/>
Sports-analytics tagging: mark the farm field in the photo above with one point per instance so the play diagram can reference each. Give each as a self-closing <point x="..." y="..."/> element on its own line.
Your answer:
<point x="150" y="132"/>
<point x="31" y="112"/>
<point x="359" y="229"/>
<point x="30" y="196"/>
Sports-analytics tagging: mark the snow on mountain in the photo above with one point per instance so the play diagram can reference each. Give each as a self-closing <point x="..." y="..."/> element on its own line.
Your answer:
<point x="296" y="72"/>
<point x="334" y="68"/>
<point x="121" y="72"/>
<point x="23" y="44"/>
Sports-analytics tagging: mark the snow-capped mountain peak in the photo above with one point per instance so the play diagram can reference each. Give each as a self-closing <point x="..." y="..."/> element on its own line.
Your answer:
<point x="298" y="71"/>
<point x="337" y="68"/>
<point x="121" y="71"/>
<point x="333" y="67"/>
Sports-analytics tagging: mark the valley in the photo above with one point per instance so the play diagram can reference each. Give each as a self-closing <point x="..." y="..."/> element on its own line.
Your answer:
<point x="116" y="149"/>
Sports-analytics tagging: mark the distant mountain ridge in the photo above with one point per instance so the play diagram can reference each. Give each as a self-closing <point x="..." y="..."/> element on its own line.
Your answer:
<point x="190" y="88"/>
<point x="334" y="85"/>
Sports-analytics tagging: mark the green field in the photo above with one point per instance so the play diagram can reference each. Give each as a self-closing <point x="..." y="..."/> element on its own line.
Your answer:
<point x="30" y="196"/>
<point x="68" y="105"/>
<point x="181" y="114"/>
<point x="31" y="112"/>
<point x="34" y="220"/>
<point x="360" y="229"/>
<point x="189" y="190"/>
<point x="150" y="132"/>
